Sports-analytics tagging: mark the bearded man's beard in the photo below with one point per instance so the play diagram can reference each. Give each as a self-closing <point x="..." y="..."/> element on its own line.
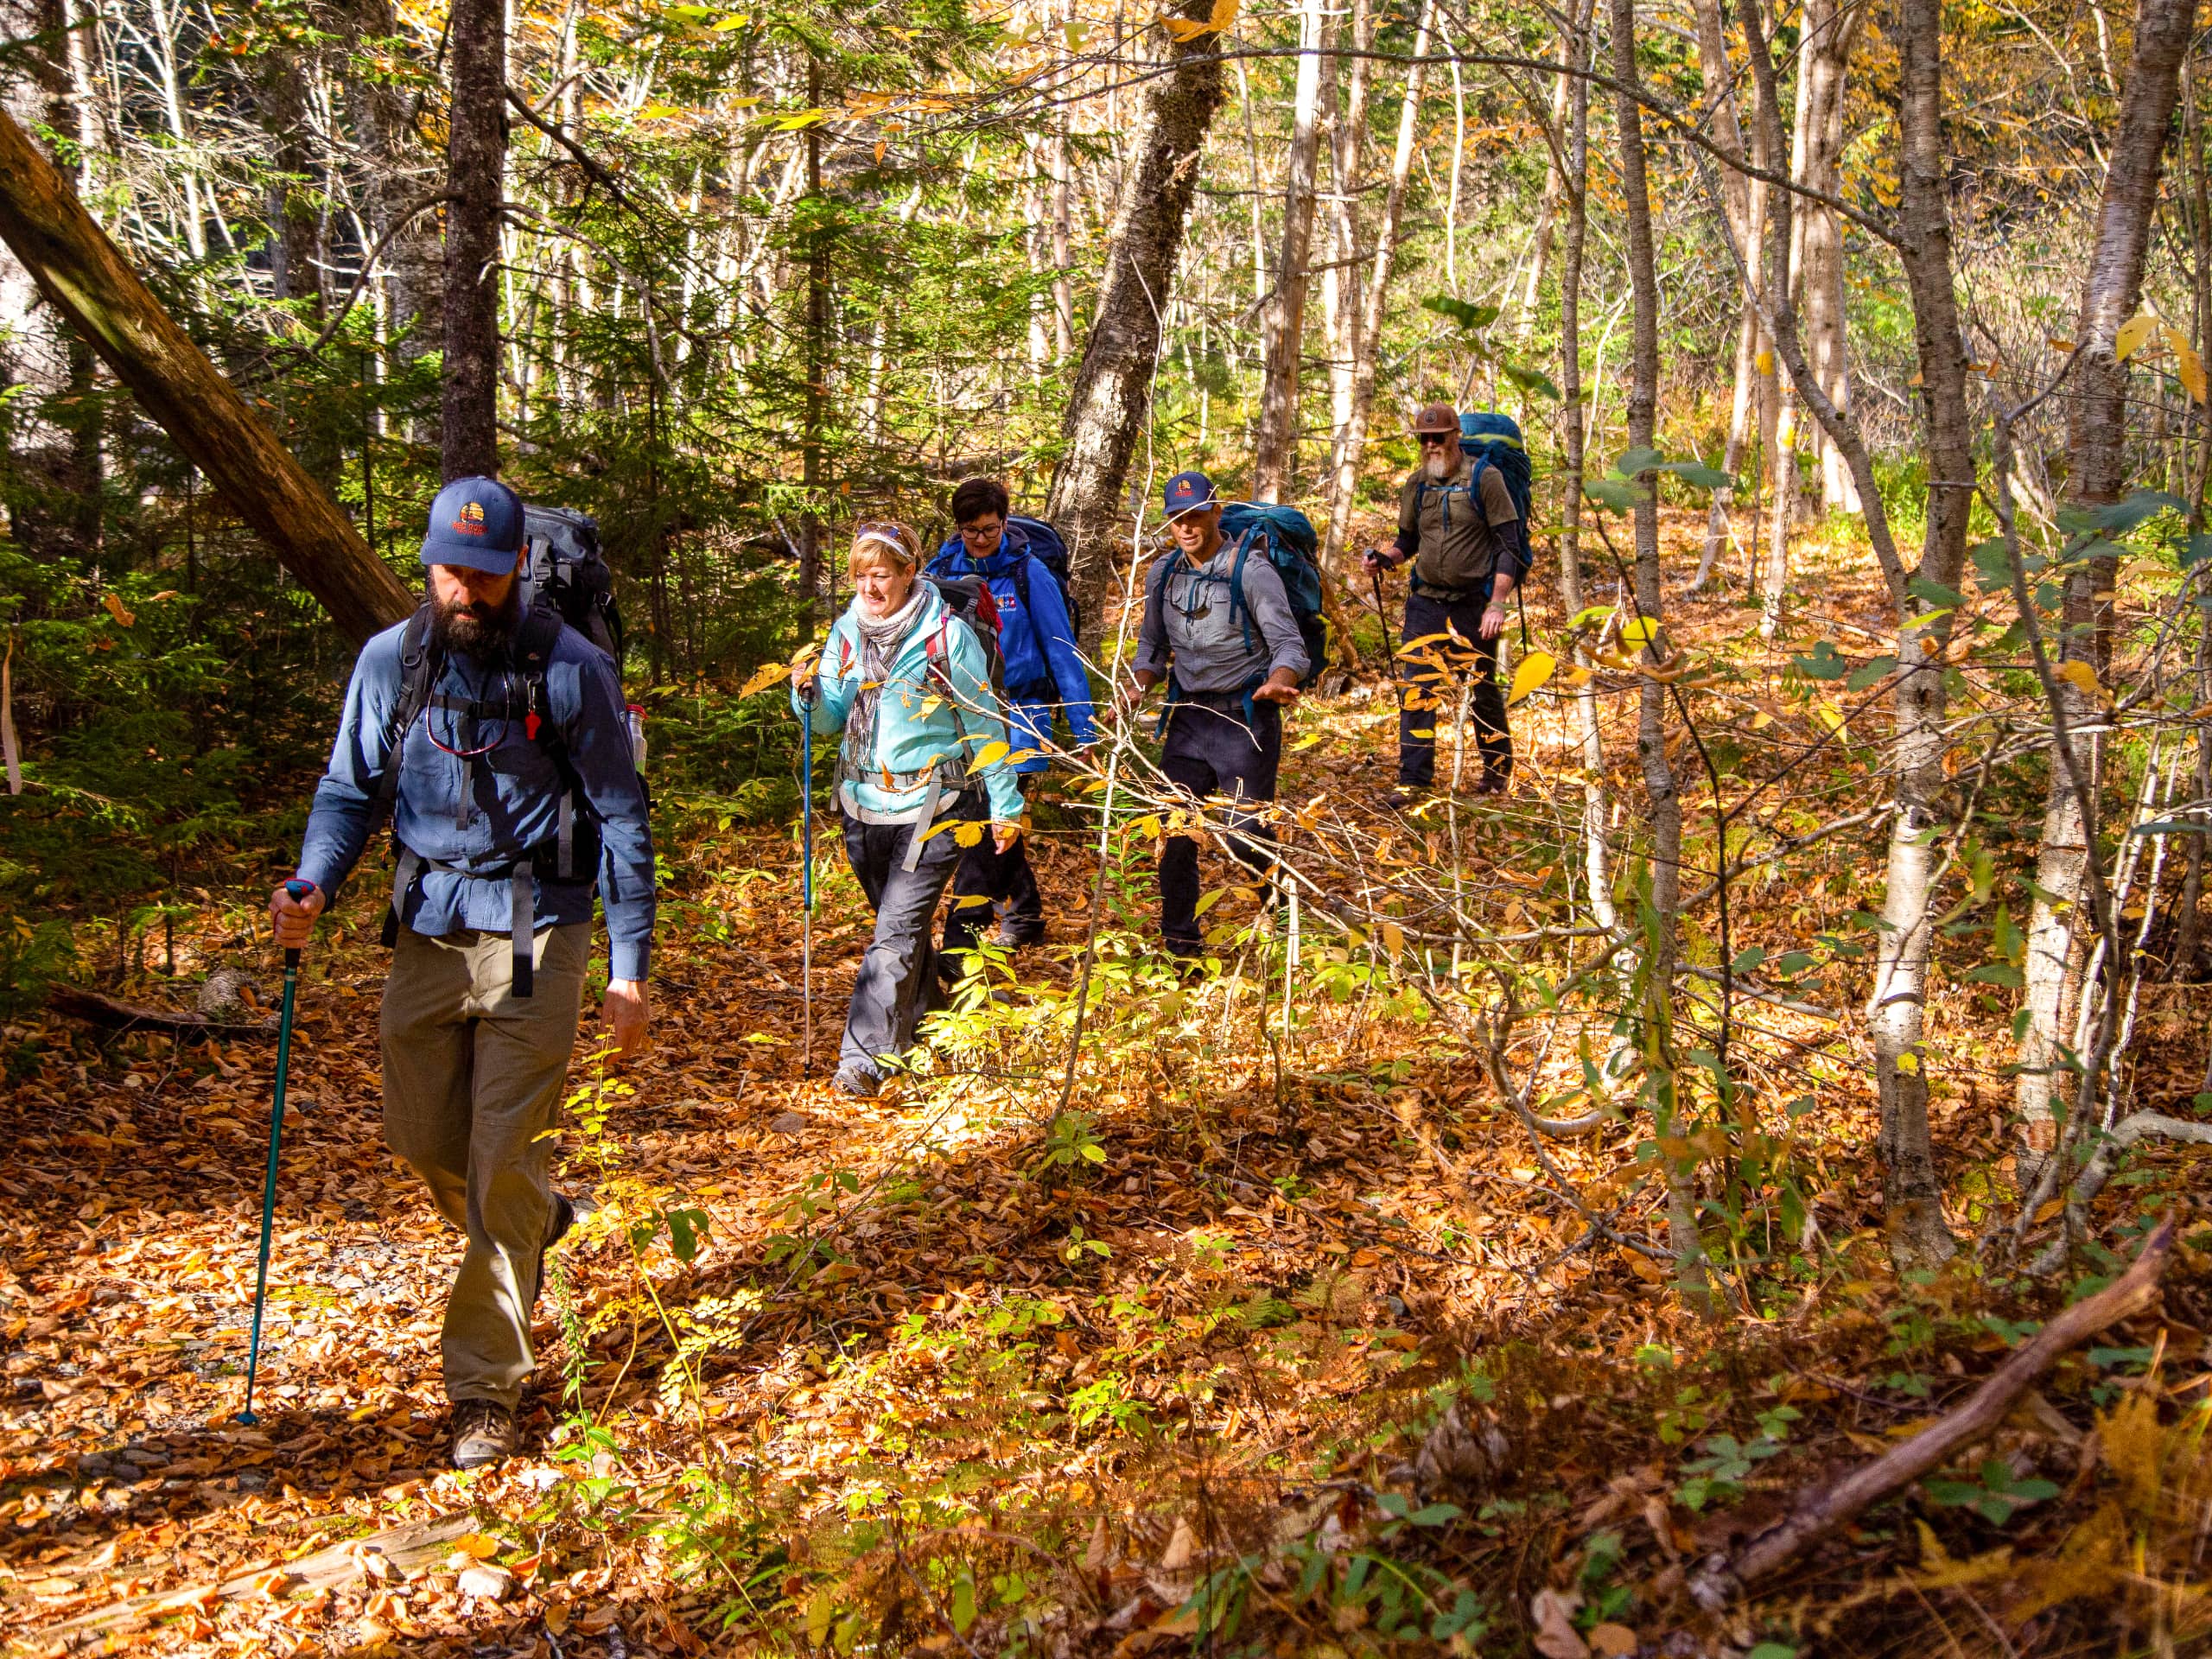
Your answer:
<point x="1440" y="464"/>
<point x="476" y="628"/>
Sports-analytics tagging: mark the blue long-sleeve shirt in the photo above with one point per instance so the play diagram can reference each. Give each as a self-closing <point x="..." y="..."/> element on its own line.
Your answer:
<point x="513" y="803"/>
<point x="1043" y="670"/>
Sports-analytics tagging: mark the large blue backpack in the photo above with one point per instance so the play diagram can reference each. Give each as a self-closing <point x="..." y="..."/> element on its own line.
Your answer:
<point x="1287" y="537"/>
<point x="1494" y="440"/>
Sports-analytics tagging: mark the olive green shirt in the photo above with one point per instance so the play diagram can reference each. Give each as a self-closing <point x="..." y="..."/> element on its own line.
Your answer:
<point x="1453" y="546"/>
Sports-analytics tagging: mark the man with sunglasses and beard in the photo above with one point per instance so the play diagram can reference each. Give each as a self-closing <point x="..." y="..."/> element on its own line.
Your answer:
<point x="517" y="765"/>
<point x="1455" y="523"/>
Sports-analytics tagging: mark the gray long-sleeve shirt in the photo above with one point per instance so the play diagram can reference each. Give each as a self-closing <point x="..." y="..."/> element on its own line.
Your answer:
<point x="1213" y="643"/>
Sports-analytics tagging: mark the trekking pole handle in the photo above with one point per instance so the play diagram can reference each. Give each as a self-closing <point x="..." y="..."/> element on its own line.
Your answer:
<point x="297" y="891"/>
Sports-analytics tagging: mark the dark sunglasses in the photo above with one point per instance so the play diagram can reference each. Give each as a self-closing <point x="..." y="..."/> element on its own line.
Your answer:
<point x="1435" y="440"/>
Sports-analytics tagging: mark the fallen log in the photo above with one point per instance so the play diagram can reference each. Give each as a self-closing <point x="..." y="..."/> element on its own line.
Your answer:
<point x="75" y="1002"/>
<point x="409" y="1551"/>
<point x="1830" y="1507"/>
<point x="85" y="276"/>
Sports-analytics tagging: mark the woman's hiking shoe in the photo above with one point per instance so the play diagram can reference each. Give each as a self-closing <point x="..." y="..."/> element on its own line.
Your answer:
<point x="856" y="1081"/>
<point x="483" y="1434"/>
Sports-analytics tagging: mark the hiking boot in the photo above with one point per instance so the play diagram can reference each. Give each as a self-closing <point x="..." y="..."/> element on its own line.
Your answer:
<point x="1496" y="781"/>
<point x="857" y="1081"/>
<point x="1013" y="934"/>
<point x="483" y="1434"/>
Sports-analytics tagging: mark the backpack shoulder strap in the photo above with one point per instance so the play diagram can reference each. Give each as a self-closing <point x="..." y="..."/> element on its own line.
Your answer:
<point x="419" y="664"/>
<point x="1239" y="606"/>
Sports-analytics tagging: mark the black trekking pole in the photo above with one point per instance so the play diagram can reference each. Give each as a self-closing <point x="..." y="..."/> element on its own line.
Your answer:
<point x="299" y="890"/>
<point x="1375" y="576"/>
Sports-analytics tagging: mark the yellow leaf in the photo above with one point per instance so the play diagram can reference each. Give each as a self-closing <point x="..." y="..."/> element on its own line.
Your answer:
<point x="123" y="619"/>
<point x="1765" y="363"/>
<point x="2133" y="334"/>
<point x="1535" y="669"/>
<point x="991" y="755"/>
<point x="1393" y="940"/>
<point x="1828" y="715"/>
<point x="767" y="675"/>
<point x="1761" y="721"/>
<point x="1184" y="31"/>
<point x="477" y="1546"/>
<point x="2079" y="675"/>
<point x="658" y="112"/>
<point x="1908" y="1063"/>
<point x="2191" y="369"/>
<point x="969" y="833"/>
<point x="1638" y="631"/>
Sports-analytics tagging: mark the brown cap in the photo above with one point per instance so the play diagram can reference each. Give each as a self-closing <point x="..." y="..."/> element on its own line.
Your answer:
<point x="1437" y="417"/>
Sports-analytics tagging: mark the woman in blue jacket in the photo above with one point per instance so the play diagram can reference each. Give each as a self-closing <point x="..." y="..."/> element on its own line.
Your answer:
<point x="909" y="685"/>
<point x="1043" y="674"/>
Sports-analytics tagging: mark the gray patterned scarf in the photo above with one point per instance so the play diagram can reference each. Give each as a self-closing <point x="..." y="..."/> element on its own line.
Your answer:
<point x="880" y="638"/>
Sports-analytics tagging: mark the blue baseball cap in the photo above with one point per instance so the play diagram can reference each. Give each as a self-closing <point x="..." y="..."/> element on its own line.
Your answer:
<point x="1186" y="490"/>
<point x="476" y="523"/>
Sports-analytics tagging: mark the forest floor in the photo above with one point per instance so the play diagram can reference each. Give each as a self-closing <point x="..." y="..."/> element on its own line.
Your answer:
<point x="1287" y="1346"/>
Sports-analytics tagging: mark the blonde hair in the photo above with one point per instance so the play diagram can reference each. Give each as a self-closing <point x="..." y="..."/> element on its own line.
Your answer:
<point x="888" y="539"/>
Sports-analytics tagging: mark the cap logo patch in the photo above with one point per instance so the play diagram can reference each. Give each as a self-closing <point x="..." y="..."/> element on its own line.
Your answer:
<point x="471" y="522"/>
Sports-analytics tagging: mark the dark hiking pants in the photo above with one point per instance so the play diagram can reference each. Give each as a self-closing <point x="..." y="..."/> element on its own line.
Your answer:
<point x="1433" y="672"/>
<point x="1211" y="750"/>
<point x="897" y="978"/>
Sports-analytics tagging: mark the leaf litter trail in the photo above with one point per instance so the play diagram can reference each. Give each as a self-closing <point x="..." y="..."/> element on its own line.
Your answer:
<point x="1216" y="1308"/>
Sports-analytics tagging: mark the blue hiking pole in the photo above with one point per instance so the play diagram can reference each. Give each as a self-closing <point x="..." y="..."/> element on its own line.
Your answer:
<point x="806" y="873"/>
<point x="299" y="891"/>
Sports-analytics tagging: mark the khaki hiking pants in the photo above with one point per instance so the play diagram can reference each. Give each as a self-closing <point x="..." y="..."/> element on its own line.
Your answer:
<point x="472" y="1078"/>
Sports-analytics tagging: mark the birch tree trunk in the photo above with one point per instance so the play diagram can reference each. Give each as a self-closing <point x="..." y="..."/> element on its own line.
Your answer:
<point x="476" y="158"/>
<point x="1744" y="200"/>
<point x="1912" y="1196"/>
<point x="1831" y="31"/>
<point x="1661" y="797"/>
<point x="1111" y="397"/>
<point x="1352" y="444"/>
<point x="2096" y="434"/>
<point x="1597" y="806"/>
<point x="1275" y="456"/>
<point x="1340" y="284"/>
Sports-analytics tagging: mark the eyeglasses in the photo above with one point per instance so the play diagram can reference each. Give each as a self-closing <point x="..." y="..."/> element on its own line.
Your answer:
<point x="1434" y="440"/>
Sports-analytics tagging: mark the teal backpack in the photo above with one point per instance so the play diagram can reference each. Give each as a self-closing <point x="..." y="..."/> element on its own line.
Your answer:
<point x="1287" y="537"/>
<point x="1494" y="440"/>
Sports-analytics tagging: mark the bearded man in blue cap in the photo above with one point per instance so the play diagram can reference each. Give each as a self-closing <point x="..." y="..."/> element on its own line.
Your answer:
<point x="495" y="737"/>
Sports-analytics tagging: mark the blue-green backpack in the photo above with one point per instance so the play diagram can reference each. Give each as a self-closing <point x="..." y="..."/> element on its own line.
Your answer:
<point x="1494" y="440"/>
<point x="1289" y="539"/>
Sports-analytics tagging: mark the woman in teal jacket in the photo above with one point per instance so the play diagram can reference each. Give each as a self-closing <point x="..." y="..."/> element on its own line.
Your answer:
<point x="909" y="685"/>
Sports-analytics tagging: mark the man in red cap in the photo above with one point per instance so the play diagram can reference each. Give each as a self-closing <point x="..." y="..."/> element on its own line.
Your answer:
<point x="1456" y="522"/>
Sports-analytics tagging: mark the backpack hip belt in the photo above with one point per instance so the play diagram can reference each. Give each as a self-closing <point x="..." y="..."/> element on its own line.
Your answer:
<point x="1427" y="590"/>
<point x="550" y="860"/>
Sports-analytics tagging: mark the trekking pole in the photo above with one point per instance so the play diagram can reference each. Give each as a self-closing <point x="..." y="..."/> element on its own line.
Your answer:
<point x="806" y="875"/>
<point x="299" y="890"/>
<point x="1383" y="616"/>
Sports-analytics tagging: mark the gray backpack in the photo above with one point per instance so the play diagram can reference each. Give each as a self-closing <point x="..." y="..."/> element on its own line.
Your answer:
<point x="567" y="572"/>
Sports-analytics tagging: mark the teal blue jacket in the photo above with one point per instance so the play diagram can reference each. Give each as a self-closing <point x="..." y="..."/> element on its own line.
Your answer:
<point x="917" y="725"/>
